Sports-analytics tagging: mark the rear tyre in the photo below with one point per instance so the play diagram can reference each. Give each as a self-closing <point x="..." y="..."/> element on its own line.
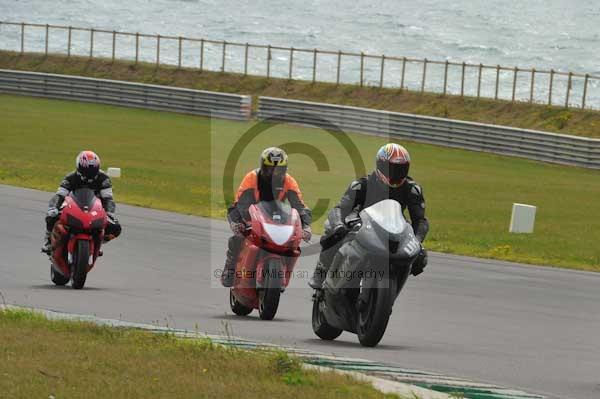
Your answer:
<point x="81" y="264"/>
<point x="373" y="318"/>
<point x="237" y="307"/>
<point x="320" y="326"/>
<point x="268" y="297"/>
<point x="57" y="278"/>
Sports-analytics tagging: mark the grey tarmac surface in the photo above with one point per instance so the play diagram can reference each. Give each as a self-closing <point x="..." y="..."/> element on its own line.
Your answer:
<point x="524" y="327"/>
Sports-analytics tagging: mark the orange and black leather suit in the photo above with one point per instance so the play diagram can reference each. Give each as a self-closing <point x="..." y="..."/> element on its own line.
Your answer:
<point x="254" y="189"/>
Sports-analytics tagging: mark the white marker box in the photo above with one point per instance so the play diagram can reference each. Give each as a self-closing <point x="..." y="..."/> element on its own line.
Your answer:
<point x="522" y="219"/>
<point x="114" y="173"/>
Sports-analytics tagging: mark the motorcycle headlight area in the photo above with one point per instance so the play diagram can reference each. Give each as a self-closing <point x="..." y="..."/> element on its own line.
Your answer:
<point x="280" y="234"/>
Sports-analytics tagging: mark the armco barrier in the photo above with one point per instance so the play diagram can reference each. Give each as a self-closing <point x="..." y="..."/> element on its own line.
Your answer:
<point x="541" y="146"/>
<point x="163" y="98"/>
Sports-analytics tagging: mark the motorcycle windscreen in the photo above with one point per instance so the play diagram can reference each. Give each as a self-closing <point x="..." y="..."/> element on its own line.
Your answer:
<point x="84" y="198"/>
<point x="387" y="214"/>
<point x="278" y="211"/>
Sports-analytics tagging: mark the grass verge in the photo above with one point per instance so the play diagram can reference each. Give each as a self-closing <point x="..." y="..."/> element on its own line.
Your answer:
<point x="524" y="115"/>
<point x="177" y="162"/>
<point x="40" y="358"/>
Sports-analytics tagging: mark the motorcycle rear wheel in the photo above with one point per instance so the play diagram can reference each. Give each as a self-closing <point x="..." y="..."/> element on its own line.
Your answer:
<point x="320" y="326"/>
<point x="237" y="307"/>
<point x="80" y="264"/>
<point x="373" y="320"/>
<point x="268" y="296"/>
<point x="57" y="278"/>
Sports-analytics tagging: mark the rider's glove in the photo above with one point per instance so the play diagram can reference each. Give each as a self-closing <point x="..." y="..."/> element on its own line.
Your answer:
<point x="52" y="212"/>
<point x="306" y="234"/>
<point x="419" y="263"/>
<point x="237" y="228"/>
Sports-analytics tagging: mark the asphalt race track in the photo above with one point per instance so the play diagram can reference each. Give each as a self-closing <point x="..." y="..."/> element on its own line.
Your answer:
<point x="524" y="327"/>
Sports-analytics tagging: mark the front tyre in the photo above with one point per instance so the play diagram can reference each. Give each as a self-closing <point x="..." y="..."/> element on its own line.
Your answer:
<point x="320" y="326"/>
<point x="237" y="307"/>
<point x="374" y="315"/>
<point x="57" y="278"/>
<point x="80" y="264"/>
<point x="268" y="296"/>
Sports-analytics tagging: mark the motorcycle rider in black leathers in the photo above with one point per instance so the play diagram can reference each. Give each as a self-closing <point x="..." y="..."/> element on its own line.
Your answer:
<point x="389" y="180"/>
<point x="86" y="175"/>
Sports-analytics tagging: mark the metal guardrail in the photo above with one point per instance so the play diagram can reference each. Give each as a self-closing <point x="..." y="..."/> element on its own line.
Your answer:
<point x="162" y="98"/>
<point x="511" y="83"/>
<point x="541" y="146"/>
<point x="537" y="145"/>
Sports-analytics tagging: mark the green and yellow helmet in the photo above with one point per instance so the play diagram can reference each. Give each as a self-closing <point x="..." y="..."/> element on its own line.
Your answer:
<point x="273" y="164"/>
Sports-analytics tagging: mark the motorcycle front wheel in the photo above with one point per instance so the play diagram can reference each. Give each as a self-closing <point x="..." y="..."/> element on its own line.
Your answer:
<point x="80" y="264"/>
<point x="374" y="315"/>
<point x="268" y="296"/>
<point x="319" y="324"/>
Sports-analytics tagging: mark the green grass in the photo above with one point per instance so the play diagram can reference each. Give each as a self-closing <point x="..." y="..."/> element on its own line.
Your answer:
<point x="177" y="162"/>
<point x="40" y="358"/>
<point x="501" y="112"/>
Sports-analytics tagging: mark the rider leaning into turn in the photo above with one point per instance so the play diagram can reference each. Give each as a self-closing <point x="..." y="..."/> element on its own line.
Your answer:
<point x="389" y="180"/>
<point x="267" y="183"/>
<point x="86" y="175"/>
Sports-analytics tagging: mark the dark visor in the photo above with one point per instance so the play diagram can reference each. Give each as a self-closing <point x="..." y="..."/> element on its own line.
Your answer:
<point x="395" y="172"/>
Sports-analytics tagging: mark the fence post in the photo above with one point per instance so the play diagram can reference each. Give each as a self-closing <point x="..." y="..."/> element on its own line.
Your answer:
<point x="224" y="53"/>
<point x="69" y="42"/>
<point x="314" y="78"/>
<point x="497" y="82"/>
<point x="91" y="42"/>
<point x="339" y="61"/>
<point x="246" y="60"/>
<point x="479" y="81"/>
<point x="157" y="50"/>
<point x="514" y="88"/>
<point x="445" y="76"/>
<point x="137" y="47"/>
<point x="568" y="89"/>
<point x="462" y="79"/>
<point x="22" y="37"/>
<point x="551" y="85"/>
<point x="291" y="63"/>
<point x="532" y="85"/>
<point x="114" y="45"/>
<point x="403" y="73"/>
<point x="201" y="55"/>
<point x="46" y="40"/>
<point x="362" y="64"/>
<point x="268" y="61"/>
<point x="585" y="86"/>
<point x="424" y="75"/>
<point x="381" y="72"/>
<point x="179" y="39"/>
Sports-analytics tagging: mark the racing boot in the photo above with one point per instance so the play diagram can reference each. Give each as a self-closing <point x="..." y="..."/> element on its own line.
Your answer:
<point x="319" y="275"/>
<point x="47" y="246"/>
<point x="228" y="275"/>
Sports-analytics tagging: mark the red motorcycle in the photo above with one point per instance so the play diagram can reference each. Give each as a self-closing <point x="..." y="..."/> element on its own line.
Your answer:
<point x="77" y="237"/>
<point x="266" y="259"/>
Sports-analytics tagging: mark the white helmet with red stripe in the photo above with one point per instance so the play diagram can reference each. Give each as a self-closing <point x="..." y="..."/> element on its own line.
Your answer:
<point x="88" y="166"/>
<point x="393" y="162"/>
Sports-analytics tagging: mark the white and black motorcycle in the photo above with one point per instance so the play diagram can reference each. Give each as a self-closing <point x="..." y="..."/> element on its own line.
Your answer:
<point x="366" y="275"/>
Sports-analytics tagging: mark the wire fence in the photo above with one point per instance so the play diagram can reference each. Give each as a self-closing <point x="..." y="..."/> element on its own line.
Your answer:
<point x="542" y="86"/>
